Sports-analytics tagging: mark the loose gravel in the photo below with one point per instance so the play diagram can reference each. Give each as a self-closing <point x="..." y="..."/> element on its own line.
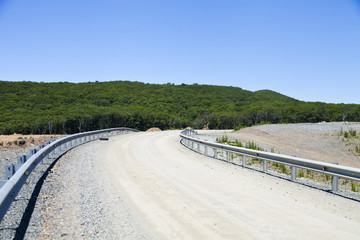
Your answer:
<point x="14" y="222"/>
<point x="65" y="198"/>
<point x="77" y="180"/>
<point x="11" y="156"/>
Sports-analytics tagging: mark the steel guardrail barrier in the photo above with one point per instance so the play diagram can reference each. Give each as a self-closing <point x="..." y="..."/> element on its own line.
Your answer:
<point x="16" y="175"/>
<point x="334" y="170"/>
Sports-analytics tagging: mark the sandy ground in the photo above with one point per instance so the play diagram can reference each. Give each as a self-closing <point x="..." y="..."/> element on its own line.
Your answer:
<point x="179" y="194"/>
<point x="17" y="141"/>
<point x="318" y="141"/>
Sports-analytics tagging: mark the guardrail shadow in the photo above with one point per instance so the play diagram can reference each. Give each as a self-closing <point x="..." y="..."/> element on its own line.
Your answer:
<point x="25" y="220"/>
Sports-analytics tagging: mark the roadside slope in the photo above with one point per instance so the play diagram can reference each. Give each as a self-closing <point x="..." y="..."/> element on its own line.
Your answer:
<point x="178" y="194"/>
<point x="316" y="141"/>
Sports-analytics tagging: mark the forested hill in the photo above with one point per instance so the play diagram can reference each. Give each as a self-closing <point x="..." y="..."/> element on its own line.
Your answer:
<point x="29" y="107"/>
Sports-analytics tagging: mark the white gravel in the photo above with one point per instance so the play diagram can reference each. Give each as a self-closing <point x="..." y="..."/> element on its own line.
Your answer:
<point x="77" y="201"/>
<point x="148" y="186"/>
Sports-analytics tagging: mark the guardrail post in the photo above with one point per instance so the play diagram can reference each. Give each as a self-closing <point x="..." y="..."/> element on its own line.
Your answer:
<point x="198" y="147"/>
<point x="9" y="171"/>
<point x="206" y="150"/>
<point x="265" y="166"/>
<point x="228" y="156"/>
<point x="22" y="159"/>
<point x="293" y="173"/>
<point x="215" y="152"/>
<point x="244" y="160"/>
<point x="335" y="182"/>
<point x="192" y="145"/>
<point x="32" y="151"/>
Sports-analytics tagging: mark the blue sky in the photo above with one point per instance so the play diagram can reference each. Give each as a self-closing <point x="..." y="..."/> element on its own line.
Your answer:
<point x="308" y="50"/>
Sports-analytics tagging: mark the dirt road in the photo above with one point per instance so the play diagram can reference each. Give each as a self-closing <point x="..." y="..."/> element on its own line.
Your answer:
<point x="178" y="194"/>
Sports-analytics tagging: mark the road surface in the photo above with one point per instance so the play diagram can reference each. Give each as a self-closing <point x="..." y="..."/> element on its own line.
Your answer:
<point x="179" y="194"/>
<point x="149" y="186"/>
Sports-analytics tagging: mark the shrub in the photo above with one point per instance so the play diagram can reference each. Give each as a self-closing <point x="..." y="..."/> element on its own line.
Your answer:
<point x="283" y="168"/>
<point x="223" y="139"/>
<point x="352" y="132"/>
<point x="237" y="128"/>
<point x="357" y="149"/>
<point x="238" y="143"/>
<point x="355" y="187"/>
<point x="253" y="145"/>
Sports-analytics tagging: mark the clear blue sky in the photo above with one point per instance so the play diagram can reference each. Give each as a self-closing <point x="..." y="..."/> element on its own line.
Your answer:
<point x="308" y="49"/>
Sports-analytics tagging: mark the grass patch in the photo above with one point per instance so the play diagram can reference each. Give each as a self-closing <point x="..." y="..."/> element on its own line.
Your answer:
<point x="355" y="187"/>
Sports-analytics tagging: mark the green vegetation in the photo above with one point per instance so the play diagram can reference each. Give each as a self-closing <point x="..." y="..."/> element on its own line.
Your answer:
<point x="49" y="108"/>
<point x="351" y="138"/>
<point x="357" y="149"/>
<point x="301" y="173"/>
<point x="253" y="145"/>
<point x="282" y="168"/>
<point x="355" y="187"/>
<point x="351" y="134"/>
<point x="223" y="139"/>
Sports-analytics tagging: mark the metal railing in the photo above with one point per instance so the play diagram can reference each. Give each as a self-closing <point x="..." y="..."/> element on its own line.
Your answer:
<point x="16" y="174"/>
<point x="334" y="170"/>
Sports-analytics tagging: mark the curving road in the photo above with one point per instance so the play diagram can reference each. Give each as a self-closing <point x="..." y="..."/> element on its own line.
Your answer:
<point x="179" y="194"/>
<point x="148" y="186"/>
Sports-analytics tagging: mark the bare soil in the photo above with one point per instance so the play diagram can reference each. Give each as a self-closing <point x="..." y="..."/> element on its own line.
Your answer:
<point x="17" y="141"/>
<point x="154" y="129"/>
<point x="316" y="141"/>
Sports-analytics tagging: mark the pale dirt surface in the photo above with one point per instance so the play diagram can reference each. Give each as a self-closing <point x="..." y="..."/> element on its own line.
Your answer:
<point x="179" y="194"/>
<point x="316" y="141"/>
<point x="78" y="201"/>
<point x="18" y="141"/>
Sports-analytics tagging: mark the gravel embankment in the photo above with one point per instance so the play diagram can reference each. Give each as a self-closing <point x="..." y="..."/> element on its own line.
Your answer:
<point x="10" y="157"/>
<point x="70" y="202"/>
<point x="317" y="141"/>
<point x="15" y="220"/>
<point x="72" y="197"/>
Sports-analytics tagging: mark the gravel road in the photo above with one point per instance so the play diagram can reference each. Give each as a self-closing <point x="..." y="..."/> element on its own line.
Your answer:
<point x="78" y="201"/>
<point x="182" y="195"/>
<point x="148" y="186"/>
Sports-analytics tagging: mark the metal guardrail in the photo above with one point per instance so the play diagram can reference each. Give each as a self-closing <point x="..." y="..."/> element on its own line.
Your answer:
<point x="334" y="170"/>
<point x="16" y="175"/>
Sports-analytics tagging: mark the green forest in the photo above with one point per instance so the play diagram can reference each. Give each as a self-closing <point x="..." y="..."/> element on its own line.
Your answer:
<point x="65" y="108"/>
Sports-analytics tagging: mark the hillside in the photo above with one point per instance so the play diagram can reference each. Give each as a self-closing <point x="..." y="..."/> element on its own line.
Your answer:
<point x="57" y="108"/>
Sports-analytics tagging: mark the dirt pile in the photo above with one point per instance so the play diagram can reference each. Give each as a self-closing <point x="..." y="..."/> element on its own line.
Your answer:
<point x="16" y="141"/>
<point x="154" y="129"/>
